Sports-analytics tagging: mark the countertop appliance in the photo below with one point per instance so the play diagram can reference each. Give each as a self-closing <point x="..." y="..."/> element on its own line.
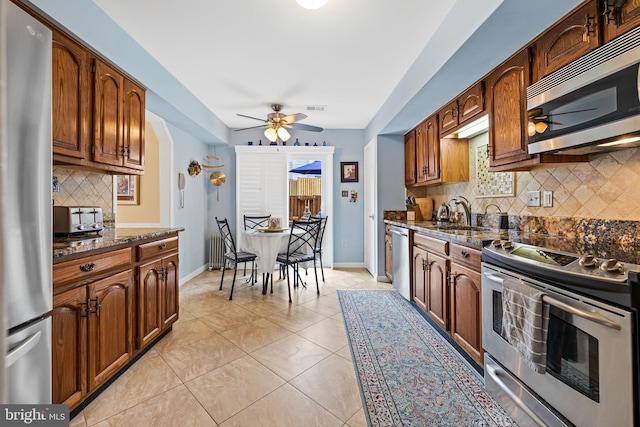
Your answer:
<point x="400" y="266"/>
<point x="592" y="361"/>
<point x="25" y="211"/>
<point x="590" y="105"/>
<point x="444" y="213"/>
<point x="69" y="220"/>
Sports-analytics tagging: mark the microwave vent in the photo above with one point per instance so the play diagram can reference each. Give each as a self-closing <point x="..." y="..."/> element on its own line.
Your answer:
<point x="616" y="47"/>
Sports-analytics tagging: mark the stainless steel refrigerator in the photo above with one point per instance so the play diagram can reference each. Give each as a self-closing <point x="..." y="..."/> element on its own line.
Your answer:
<point x="25" y="206"/>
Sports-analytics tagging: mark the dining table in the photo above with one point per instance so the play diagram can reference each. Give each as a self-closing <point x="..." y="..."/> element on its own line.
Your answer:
<point x="266" y="244"/>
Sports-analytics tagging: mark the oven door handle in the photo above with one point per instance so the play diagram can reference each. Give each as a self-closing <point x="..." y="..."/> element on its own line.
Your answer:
<point x="495" y="374"/>
<point x="594" y="317"/>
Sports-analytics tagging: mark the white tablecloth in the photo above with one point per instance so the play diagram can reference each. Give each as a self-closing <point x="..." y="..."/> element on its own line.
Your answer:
<point x="266" y="245"/>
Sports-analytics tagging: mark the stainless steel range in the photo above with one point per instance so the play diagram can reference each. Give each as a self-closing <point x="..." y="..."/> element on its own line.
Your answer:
<point x="591" y="373"/>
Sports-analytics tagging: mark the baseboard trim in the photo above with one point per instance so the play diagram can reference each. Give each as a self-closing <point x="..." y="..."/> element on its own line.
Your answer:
<point x="348" y="265"/>
<point x="193" y="274"/>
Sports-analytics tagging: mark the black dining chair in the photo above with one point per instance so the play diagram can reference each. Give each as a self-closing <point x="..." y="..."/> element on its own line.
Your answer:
<point x="231" y="253"/>
<point x="318" y="247"/>
<point x="252" y="222"/>
<point x="302" y="241"/>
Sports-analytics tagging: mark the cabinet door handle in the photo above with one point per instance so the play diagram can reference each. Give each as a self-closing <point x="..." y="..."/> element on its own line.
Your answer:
<point x="87" y="267"/>
<point x="162" y="246"/>
<point x="590" y="25"/>
<point x="464" y="254"/>
<point x="608" y="12"/>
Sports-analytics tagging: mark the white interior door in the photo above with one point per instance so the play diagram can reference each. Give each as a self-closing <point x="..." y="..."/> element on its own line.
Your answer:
<point x="370" y="202"/>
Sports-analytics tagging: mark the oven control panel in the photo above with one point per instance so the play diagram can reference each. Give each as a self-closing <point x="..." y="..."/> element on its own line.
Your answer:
<point x="564" y="263"/>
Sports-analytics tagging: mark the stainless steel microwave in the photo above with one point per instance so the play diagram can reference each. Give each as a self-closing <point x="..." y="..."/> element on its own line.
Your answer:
<point x="591" y="105"/>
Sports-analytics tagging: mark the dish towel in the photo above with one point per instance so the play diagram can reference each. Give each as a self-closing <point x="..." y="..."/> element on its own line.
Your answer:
<point x="525" y="320"/>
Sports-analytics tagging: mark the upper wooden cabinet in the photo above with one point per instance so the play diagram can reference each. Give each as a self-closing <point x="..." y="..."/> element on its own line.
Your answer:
<point x="108" y="106"/>
<point x="70" y="109"/>
<point x="619" y="19"/>
<point x="134" y="123"/>
<point x="118" y="111"/>
<point x="506" y="87"/>
<point x="410" y="157"/>
<point x="437" y="160"/>
<point x="98" y="113"/>
<point x="459" y="111"/>
<point x="574" y="36"/>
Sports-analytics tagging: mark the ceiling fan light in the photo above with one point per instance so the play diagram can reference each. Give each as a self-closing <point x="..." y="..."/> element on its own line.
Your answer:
<point x="283" y="134"/>
<point x="271" y="135"/>
<point x="311" y="4"/>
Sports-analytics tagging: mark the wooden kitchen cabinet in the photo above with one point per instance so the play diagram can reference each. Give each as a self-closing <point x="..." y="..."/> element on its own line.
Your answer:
<point x="506" y="87"/>
<point x="69" y="347"/>
<point x="446" y="286"/>
<point x="157" y="289"/>
<point x="110" y="328"/>
<point x="70" y="108"/>
<point x="619" y="17"/>
<point x="419" y="275"/>
<point x="465" y="297"/>
<point x="430" y="268"/>
<point x="134" y="124"/>
<point x="574" y="36"/>
<point x="118" y="125"/>
<point x="437" y="161"/>
<point x="461" y="110"/>
<point x="410" y="157"/>
<point x="506" y="92"/>
<point x="92" y="324"/>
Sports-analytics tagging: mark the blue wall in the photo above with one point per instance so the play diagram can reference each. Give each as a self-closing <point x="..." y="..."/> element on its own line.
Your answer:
<point x="194" y="216"/>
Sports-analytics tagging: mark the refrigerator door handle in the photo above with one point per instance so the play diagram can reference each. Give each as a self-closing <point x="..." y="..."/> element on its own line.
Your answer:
<point x="21" y="349"/>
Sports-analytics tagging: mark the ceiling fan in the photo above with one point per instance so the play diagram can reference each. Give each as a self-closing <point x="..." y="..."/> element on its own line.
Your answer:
<point x="277" y="122"/>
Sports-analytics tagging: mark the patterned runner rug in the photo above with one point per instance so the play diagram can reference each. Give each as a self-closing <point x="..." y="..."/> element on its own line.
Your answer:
<point x="408" y="374"/>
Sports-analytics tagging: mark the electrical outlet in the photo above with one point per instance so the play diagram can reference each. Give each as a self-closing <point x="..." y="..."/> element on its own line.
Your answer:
<point x="547" y="199"/>
<point x="55" y="185"/>
<point x="533" y="198"/>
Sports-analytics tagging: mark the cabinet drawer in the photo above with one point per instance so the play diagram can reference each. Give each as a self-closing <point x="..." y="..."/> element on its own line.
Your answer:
<point x="85" y="268"/>
<point x="466" y="256"/>
<point x="159" y="247"/>
<point x="431" y="244"/>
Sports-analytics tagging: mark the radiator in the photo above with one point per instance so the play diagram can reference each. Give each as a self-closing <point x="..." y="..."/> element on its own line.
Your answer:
<point x="216" y="252"/>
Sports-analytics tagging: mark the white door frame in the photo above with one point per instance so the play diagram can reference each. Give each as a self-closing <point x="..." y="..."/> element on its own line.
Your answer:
<point x="370" y="208"/>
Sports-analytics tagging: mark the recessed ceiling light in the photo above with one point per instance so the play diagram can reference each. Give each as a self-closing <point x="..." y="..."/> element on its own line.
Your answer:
<point x="311" y="4"/>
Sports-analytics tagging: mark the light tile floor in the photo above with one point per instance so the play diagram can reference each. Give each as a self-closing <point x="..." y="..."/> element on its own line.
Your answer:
<point x="253" y="361"/>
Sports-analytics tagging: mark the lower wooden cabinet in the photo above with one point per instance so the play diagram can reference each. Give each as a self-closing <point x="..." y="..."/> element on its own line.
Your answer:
<point x="446" y="286"/>
<point x="92" y="333"/>
<point x="157" y="288"/>
<point x="102" y="318"/>
<point x="466" y="320"/>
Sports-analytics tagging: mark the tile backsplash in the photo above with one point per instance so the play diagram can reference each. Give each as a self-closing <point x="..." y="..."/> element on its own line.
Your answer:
<point x="80" y="187"/>
<point x="606" y="187"/>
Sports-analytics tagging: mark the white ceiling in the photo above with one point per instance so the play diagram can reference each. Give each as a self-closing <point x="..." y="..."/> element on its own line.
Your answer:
<point x="241" y="56"/>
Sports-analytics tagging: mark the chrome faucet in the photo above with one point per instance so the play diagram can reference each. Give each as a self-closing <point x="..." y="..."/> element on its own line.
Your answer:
<point x="460" y="200"/>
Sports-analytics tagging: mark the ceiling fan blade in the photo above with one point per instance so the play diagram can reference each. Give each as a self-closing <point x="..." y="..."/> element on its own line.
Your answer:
<point x="253" y="127"/>
<point x="291" y="118"/>
<point x="301" y="126"/>
<point x="249" y="117"/>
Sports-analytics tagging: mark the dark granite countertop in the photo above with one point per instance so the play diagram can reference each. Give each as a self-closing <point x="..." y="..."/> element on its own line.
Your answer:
<point x="607" y="245"/>
<point x="108" y="239"/>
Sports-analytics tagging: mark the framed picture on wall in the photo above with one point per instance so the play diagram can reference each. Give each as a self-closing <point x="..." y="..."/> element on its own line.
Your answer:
<point x="348" y="171"/>
<point x="128" y="189"/>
